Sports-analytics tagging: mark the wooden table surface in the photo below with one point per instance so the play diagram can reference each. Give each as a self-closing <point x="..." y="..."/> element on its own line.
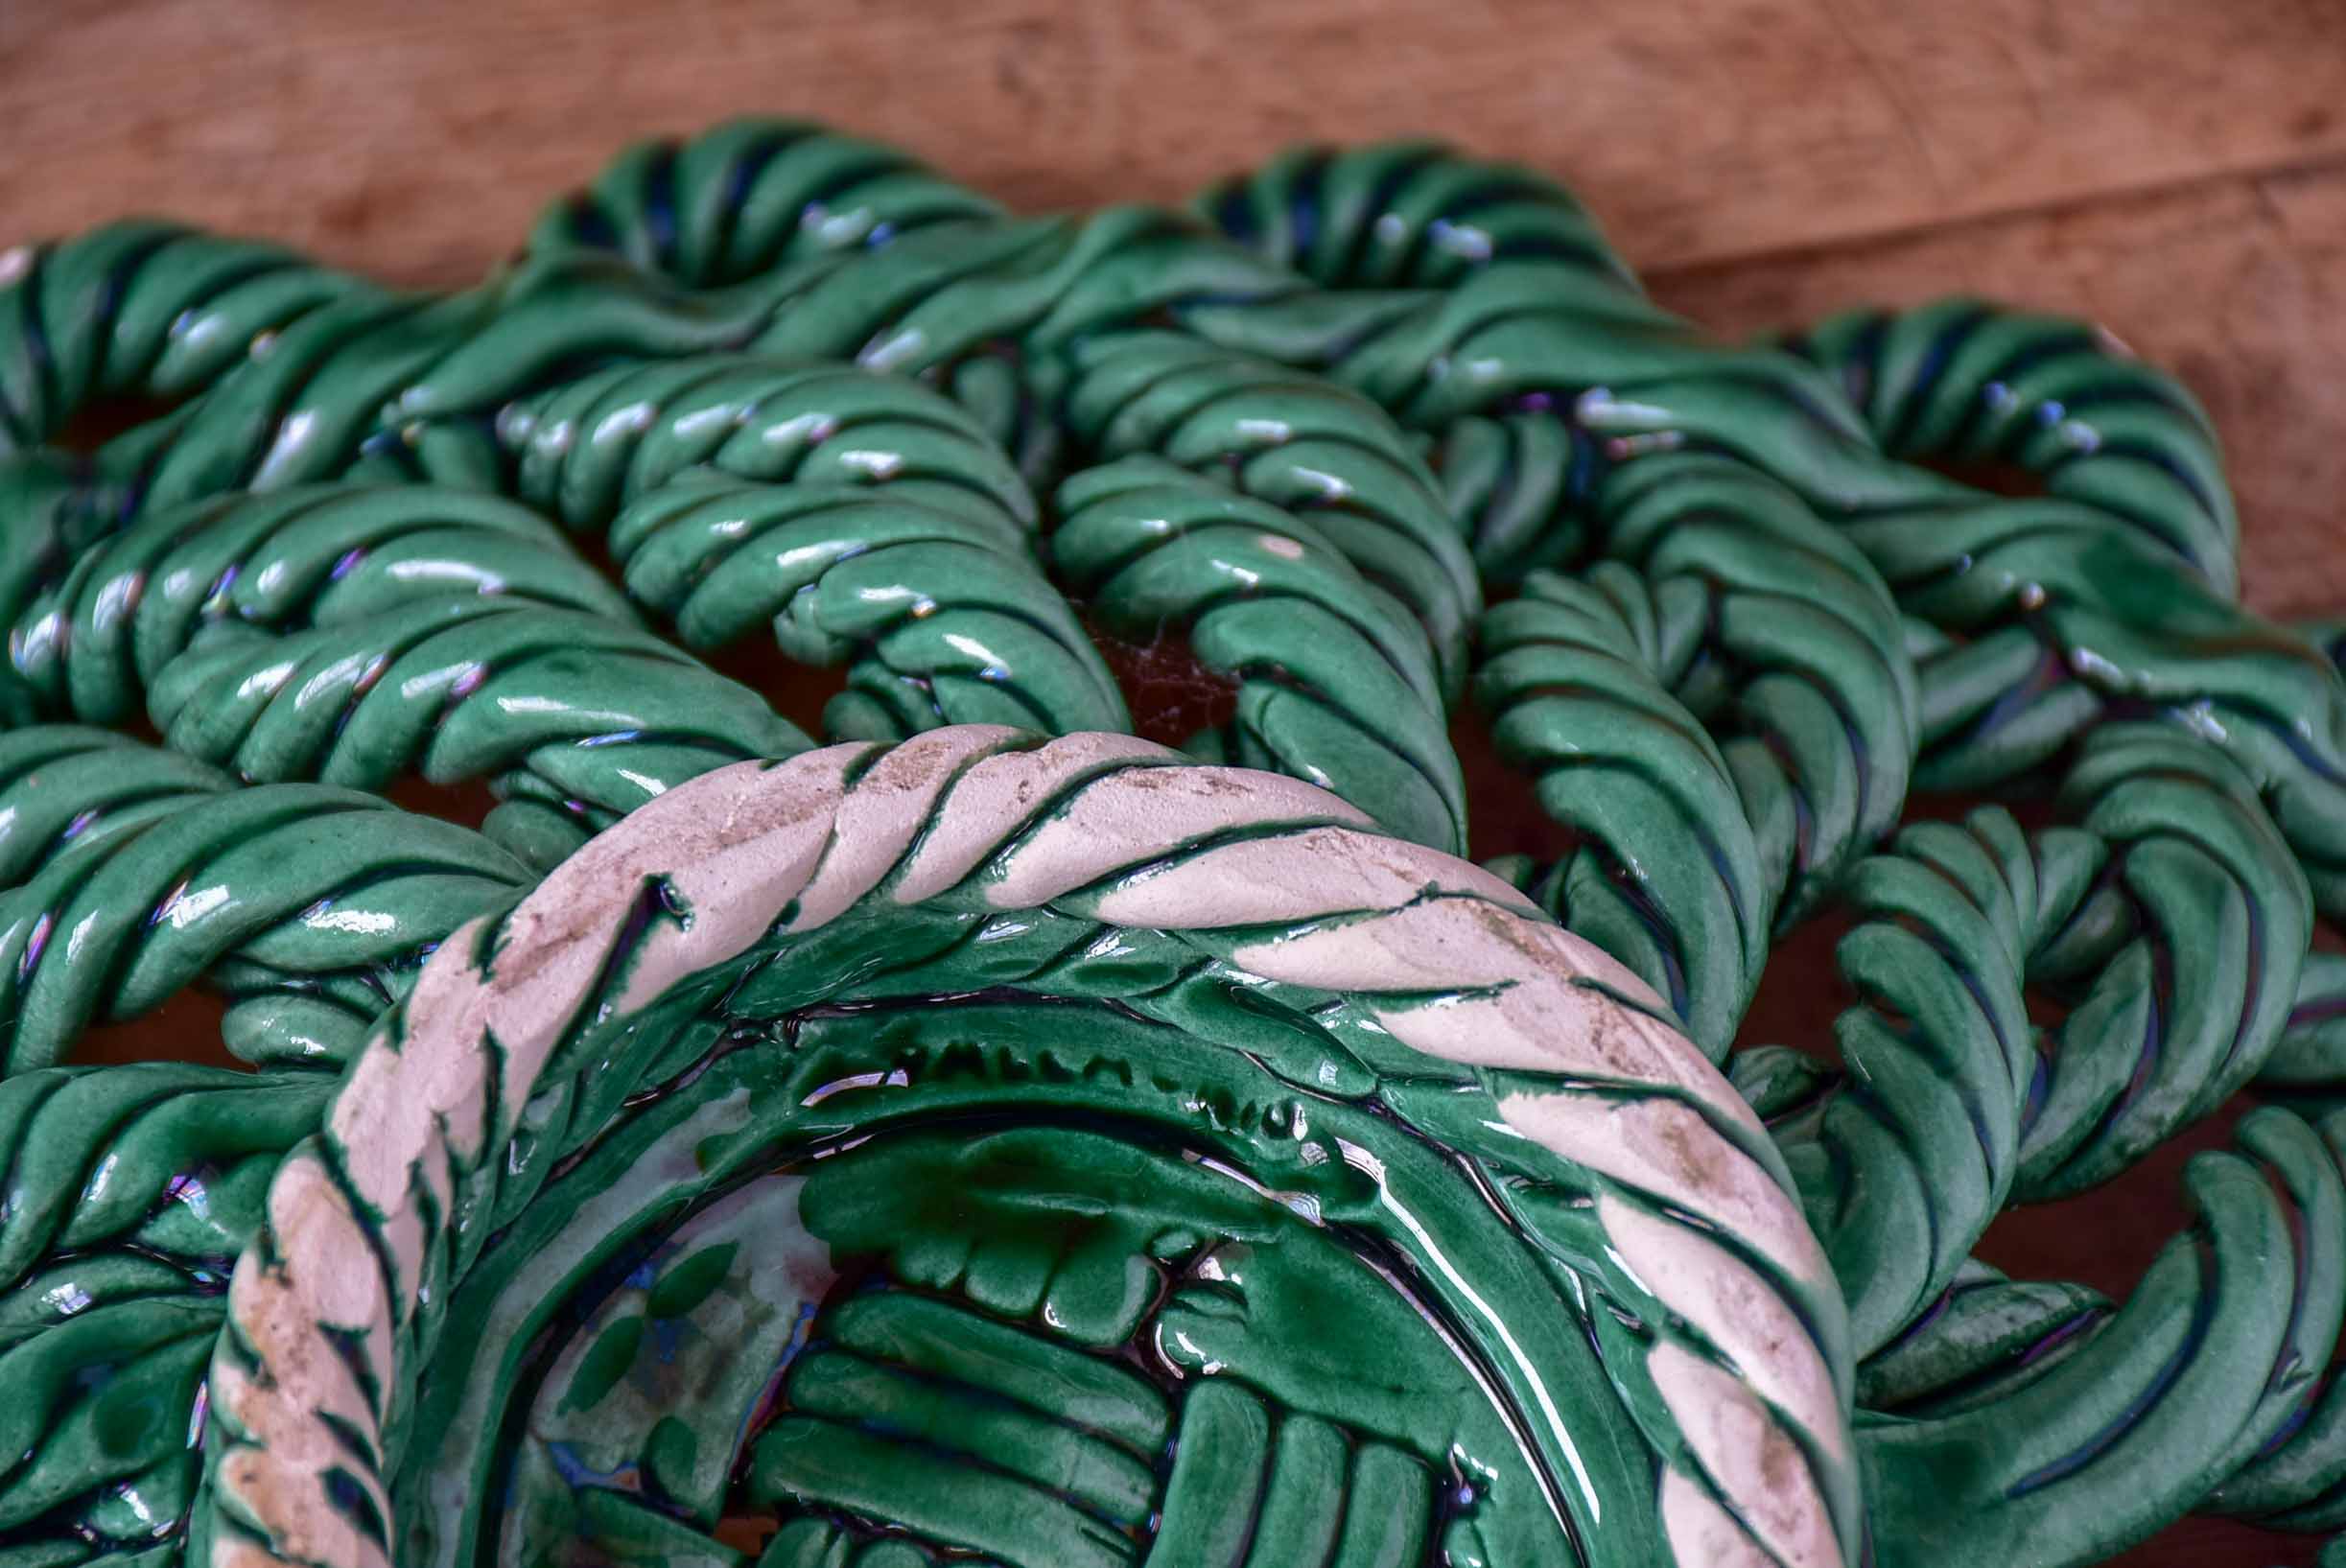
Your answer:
<point x="2173" y="168"/>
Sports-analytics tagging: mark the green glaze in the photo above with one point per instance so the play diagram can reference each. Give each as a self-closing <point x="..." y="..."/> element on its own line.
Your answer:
<point x="2313" y="1050"/>
<point x="1296" y="441"/>
<point x="1109" y="1252"/>
<point x="951" y="1235"/>
<point x="129" y="1192"/>
<point x="747" y="196"/>
<point x="1986" y="1338"/>
<point x="2110" y="591"/>
<point x="1669" y="878"/>
<point x="581" y="718"/>
<point x="583" y="451"/>
<point x="1407" y="215"/>
<point x="141" y="309"/>
<point x="1952" y="1103"/>
<point x="2297" y="1480"/>
<point x="354" y="635"/>
<point x="1786" y="646"/>
<point x="1336" y="681"/>
<point x="1962" y="381"/>
<point x="129" y="872"/>
<point x="961" y="1390"/>
<point x="91" y="643"/>
<point x="941" y="619"/>
<point x="2198" y="1371"/>
<point x="317" y="398"/>
<point x="157" y="1160"/>
<point x="861" y="517"/>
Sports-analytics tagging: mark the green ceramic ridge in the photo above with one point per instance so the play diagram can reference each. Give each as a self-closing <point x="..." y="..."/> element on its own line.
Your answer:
<point x="141" y="309"/>
<point x="861" y="517"/>
<point x="2312" y="1052"/>
<point x="2060" y="621"/>
<point x="1317" y="450"/>
<point x="2204" y="1367"/>
<point x="163" y="1159"/>
<point x="574" y="717"/>
<point x="126" y="1194"/>
<point x="342" y="378"/>
<point x="1719" y="592"/>
<point x="750" y="194"/>
<point x="91" y="641"/>
<point x="1668" y="879"/>
<point x="85" y="1392"/>
<point x="584" y="451"/>
<point x="1406" y="215"/>
<point x="1987" y="1337"/>
<point x="923" y="302"/>
<point x="1336" y="683"/>
<point x="330" y="894"/>
<point x="357" y="635"/>
<point x="2171" y="913"/>
<point x="1962" y="381"/>
<point x="1790" y="649"/>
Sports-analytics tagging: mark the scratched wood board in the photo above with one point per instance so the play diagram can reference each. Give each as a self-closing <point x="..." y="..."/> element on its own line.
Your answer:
<point x="2172" y="168"/>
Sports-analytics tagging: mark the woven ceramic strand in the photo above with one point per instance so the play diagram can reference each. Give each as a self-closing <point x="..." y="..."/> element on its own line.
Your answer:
<point x="2171" y="914"/>
<point x="960" y="809"/>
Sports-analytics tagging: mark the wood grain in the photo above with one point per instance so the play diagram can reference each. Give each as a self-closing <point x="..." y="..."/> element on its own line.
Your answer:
<point x="417" y="139"/>
<point x="2173" y="168"/>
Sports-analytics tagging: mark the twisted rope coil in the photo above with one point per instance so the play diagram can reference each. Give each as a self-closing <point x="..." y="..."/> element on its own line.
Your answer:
<point x="1781" y="707"/>
<point x="970" y="816"/>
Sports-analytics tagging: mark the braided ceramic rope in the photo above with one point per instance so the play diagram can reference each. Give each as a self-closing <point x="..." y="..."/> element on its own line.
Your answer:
<point x="866" y="518"/>
<point x="1120" y="238"/>
<point x="1952" y="1105"/>
<point x="1948" y="1109"/>
<point x="1544" y="242"/>
<point x="1822" y="725"/>
<point x="2153" y="469"/>
<point x="127" y="1191"/>
<point x="159" y="311"/>
<point x="1315" y="649"/>
<point x="1300" y="444"/>
<point x="2196" y="1386"/>
<point x="279" y="424"/>
<point x="967" y="636"/>
<point x="1419" y="217"/>
<point x="971" y="813"/>
<point x="2313" y="1053"/>
<point x="1199" y="405"/>
<point x="1619" y="924"/>
<point x="2266" y="1329"/>
<point x="1627" y="928"/>
<point x="133" y="872"/>
<point x="2297" y="1480"/>
<point x="2066" y="606"/>
<point x="2212" y="1361"/>
<point x="1317" y="448"/>
<point x="1129" y="259"/>
<point x="2159" y="470"/>
<point x="356" y="634"/>
<point x="1307" y="690"/>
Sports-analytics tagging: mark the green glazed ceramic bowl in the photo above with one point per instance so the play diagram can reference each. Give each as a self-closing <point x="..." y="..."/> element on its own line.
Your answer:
<point x="1056" y="1154"/>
